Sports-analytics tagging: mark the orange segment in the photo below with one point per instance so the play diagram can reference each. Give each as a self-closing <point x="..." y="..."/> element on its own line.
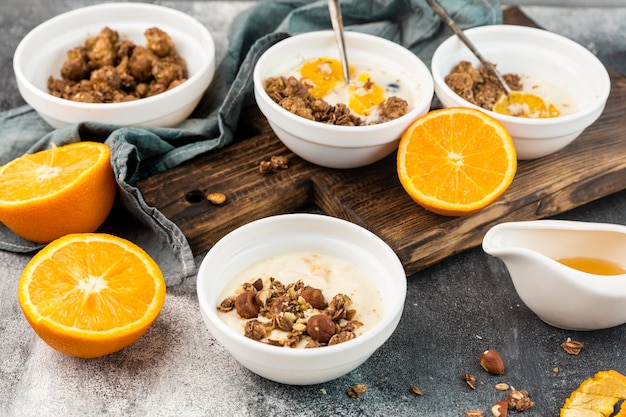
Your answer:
<point x="523" y="104"/>
<point x="597" y="396"/>
<point x="456" y="161"/>
<point x="67" y="189"/>
<point x="364" y="94"/>
<point x="91" y="294"/>
<point x="324" y="74"/>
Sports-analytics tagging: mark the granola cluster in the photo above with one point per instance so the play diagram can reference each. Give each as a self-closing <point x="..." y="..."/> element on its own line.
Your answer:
<point x="297" y="311"/>
<point x="106" y="69"/>
<point x="293" y="95"/>
<point x="478" y="85"/>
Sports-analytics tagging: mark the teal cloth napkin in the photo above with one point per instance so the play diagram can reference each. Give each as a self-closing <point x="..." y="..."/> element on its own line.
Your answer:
<point x="140" y="152"/>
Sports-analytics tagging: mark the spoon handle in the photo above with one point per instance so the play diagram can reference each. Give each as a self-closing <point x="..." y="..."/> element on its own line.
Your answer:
<point x="337" y="22"/>
<point x="440" y="11"/>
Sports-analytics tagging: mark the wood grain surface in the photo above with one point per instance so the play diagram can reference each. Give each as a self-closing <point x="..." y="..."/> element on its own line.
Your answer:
<point x="593" y="166"/>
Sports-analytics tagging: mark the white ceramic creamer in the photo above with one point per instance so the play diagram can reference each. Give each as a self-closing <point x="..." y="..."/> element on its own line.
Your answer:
<point x="573" y="298"/>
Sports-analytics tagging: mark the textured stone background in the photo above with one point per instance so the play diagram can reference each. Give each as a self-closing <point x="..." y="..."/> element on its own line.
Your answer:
<point x="454" y="310"/>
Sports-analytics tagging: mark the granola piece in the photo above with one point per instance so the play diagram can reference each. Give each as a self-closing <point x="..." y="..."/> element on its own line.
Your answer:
<point x="227" y="304"/>
<point x="351" y="325"/>
<point x="254" y="330"/>
<point x="76" y="66"/>
<point x="283" y="323"/>
<point x="341" y="337"/>
<point x="356" y="391"/>
<point x="140" y="63"/>
<point x="158" y="42"/>
<point x="166" y="72"/>
<point x="337" y="307"/>
<point x="276" y="162"/>
<point x="519" y="400"/>
<point x="298" y="106"/>
<point x="106" y="80"/>
<point x="101" y="48"/>
<point x="478" y="85"/>
<point x="342" y="116"/>
<point x="392" y="108"/>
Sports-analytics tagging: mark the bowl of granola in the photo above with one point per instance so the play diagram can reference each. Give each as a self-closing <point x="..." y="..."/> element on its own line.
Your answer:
<point x="569" y="84"/>
<point x="300" y="88"/>
<point x="301" y="299"/>
<point x="115" y="63"/>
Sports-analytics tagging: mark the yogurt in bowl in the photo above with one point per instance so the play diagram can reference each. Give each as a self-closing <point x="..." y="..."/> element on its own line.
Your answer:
<point x="344" y="146"/>
<point x="272" y="246"/>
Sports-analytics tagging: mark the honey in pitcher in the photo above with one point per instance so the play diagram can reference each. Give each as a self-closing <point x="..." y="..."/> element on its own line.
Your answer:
<point x="593" y="265"/>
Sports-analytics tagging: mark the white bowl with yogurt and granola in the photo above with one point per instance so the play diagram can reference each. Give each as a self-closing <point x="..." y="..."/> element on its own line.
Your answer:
<point x="551" y="66"/>
<point x="358" y="286"/>
<point x="381" y="70"/>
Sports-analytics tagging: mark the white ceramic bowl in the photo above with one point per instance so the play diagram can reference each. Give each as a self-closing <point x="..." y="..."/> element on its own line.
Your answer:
<point x="341" y="146"/>
<point x="270" y="236"/>
<point x="43" y="50"/>
<point x="560" y="295"/>
<point x="540" y="54"/>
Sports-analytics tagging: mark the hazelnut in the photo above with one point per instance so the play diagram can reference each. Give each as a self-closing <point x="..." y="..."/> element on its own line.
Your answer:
<point x="314" y="296"/>
<point x="492" y="362"/>
<point x="246" y="305"/>
<point x="321" y="328"/>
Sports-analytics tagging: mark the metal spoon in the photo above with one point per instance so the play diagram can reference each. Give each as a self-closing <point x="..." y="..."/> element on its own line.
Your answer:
<point x="337" y="22"/>
<point x="440" y="11"/>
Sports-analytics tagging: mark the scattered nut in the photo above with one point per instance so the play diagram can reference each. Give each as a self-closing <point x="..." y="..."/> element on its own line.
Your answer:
<point x="356" y="391"/>
<point x="500" y="409"/>
<point x="216" y="198"/>
<point x="572" y="347"/>
<point x="314" y="296"/>
<point x="416" y="390"/>
<point x="502" y="386"/>
<point x="321" y="328"/>
<point x="492" y="362"/>
<point x="470" y="380"/>
<point x="246" y="305"/>
<point x="474" y="413"/>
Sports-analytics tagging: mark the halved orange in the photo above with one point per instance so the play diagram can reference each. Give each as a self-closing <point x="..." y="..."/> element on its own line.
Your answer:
<point x="66" y="189"/>
<point x="524" y="104"/>
<point x="91" y="294"/>
<point x="456" y="161"/>
<point x="597" y="396"/>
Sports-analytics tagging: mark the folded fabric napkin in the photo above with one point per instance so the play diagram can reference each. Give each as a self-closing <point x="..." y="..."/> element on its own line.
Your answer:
<point x="140" y="152"/>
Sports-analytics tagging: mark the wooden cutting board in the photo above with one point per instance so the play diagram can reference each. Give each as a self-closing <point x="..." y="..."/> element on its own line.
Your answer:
<point x="593" y="166"/>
